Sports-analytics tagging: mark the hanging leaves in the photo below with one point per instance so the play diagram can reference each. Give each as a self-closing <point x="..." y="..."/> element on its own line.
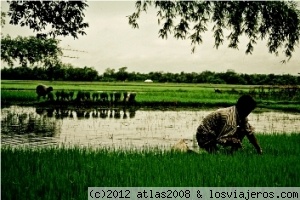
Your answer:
<point x="29" y="50"/>
<point x="276" y="21"/>
<point x="63" y="17"/>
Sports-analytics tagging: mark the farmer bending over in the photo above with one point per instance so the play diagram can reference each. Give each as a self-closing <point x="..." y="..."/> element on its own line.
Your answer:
<point x="228" y="127"/>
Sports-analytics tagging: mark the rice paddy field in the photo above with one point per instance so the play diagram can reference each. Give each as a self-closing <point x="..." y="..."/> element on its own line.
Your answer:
<point x="33" y="169"/>
<point x="16" y="90"/>
<point x="125" y="128"/>
<point x="66" y="173"/>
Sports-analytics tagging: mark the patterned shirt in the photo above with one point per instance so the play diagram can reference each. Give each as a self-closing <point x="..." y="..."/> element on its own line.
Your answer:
<point x="223" y="123"/>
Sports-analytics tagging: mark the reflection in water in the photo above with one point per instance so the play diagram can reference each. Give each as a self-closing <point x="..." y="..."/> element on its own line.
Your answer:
<point x="35" y="127"/>
<point x="118" y="127"/>
<point x="42" y="126"/>
<point x="29" y="123"/>
<point x="81" y="114"/>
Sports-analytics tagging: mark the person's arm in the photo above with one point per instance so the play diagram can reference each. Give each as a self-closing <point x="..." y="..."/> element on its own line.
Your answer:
<point x="254" y="142"/>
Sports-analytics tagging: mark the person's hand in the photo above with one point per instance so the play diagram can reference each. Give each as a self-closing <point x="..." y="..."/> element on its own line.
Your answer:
<point x="234" y="142"/>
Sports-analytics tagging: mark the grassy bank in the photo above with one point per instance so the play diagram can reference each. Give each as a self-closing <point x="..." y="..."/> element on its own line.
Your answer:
<point x="153" y="95"/>
<point x="62" y="173"/>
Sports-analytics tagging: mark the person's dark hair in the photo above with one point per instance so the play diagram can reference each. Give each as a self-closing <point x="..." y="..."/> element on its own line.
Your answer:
<point x="246" y="102"/>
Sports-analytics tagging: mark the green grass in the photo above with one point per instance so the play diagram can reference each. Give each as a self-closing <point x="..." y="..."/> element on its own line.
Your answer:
<point x="148" y="95"/>
<point x="66" y="173"/>
<point x="8" y="96"/>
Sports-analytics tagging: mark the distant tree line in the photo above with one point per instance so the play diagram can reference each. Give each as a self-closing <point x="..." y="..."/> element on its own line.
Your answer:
<point x="66" y="72"/>
<point x="60" y="72"/>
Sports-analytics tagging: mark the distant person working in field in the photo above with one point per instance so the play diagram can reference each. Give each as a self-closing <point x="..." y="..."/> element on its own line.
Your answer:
<point x="228" y="127"/>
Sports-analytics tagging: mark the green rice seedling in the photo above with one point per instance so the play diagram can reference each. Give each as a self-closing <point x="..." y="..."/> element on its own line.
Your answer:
<point x="18" y="95"/>
<point x="66" y="173"/>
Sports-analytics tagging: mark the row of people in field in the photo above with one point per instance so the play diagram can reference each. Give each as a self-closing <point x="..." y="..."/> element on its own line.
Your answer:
<point x="46" y="92"/>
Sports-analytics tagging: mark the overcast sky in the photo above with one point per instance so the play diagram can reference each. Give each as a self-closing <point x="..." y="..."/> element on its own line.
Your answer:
<point x="112" y="43"/>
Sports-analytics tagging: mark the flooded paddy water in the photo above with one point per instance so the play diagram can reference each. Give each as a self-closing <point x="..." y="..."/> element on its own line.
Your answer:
<point x="119" y="127"/>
